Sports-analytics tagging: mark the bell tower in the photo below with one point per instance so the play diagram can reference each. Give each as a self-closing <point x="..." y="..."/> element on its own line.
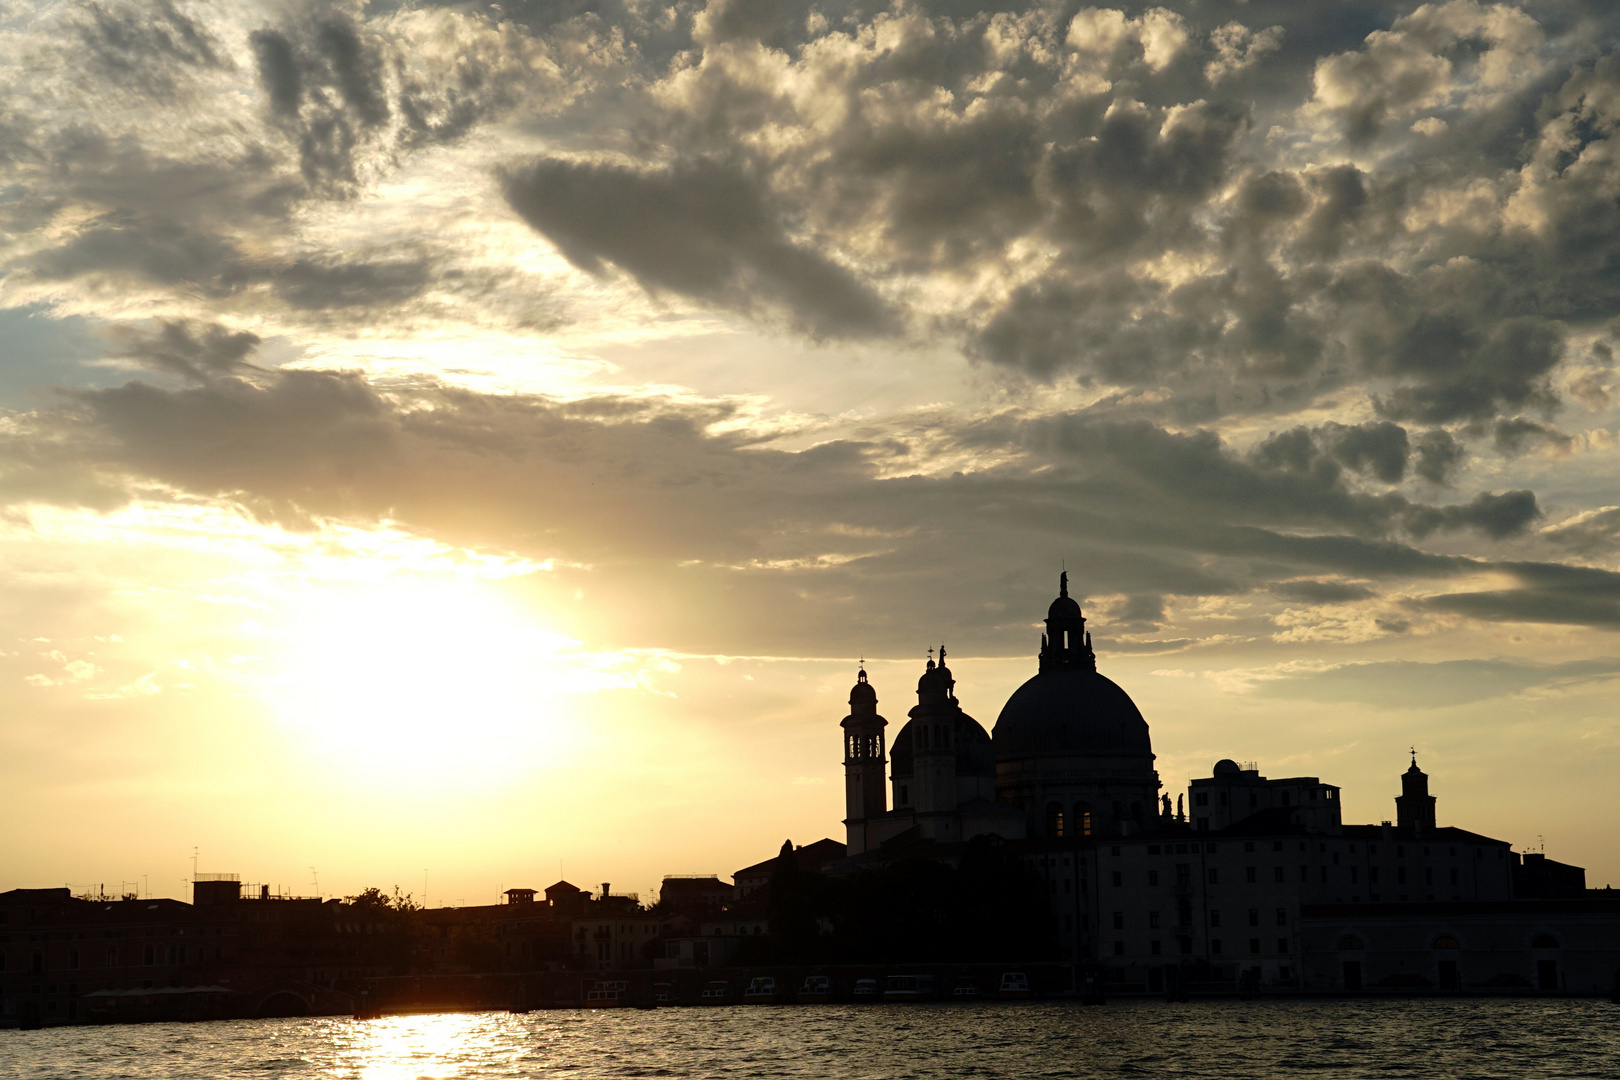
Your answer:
<point x="1414" y="806"/>
<point x="864" y="763"/>
<point x="934" y="750"/>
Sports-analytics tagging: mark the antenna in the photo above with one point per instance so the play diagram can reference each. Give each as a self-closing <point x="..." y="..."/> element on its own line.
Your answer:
<point x="194" y="866"/>
<point x="317" y="882"/>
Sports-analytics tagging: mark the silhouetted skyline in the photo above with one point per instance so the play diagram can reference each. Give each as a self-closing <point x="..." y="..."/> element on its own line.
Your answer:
<point x="483" y="439"/>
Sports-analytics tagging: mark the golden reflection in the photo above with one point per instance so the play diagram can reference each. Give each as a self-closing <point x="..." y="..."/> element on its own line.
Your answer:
<point x="430" y="1047"/>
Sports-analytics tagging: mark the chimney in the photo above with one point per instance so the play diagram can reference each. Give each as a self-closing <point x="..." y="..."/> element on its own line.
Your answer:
<point x="606" y="889"/>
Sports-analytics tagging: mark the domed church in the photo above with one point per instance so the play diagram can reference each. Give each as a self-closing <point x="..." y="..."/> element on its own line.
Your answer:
<point x="1069" y="756"/>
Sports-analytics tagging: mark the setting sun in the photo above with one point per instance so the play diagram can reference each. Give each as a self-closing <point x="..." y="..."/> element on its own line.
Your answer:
<point x="442" y="679"/>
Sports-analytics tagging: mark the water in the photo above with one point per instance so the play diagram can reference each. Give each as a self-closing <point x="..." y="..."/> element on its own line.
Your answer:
<point x="1231" y="1040"/>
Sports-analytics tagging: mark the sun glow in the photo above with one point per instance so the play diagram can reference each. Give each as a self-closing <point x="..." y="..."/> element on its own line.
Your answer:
<point x="431" y="679"/>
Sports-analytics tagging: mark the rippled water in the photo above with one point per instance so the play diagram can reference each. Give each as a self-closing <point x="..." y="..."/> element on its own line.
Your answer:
<point x="1231" y="1040"/>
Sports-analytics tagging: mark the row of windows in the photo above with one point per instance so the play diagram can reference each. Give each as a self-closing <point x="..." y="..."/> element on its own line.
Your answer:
<point x="1279" y="875"/>
<point x="150" y="957"/>
<point x="1281" y="915"/>
<point x="1351" y="943"/>
<point x="1216" y="947"/>
<point x="1210" y="848"/>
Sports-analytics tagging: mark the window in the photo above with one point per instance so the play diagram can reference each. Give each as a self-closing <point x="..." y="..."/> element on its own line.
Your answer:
<point x="1355" y="875"/>
<point x="149" y="955"/>
<point x="1282" y="916"/>
<point x="1082" y="818"/>
<point x="1248" y="874"/>
<point x="1454" y="875"/>
<point x="1214" y="876"/>
<point x="1119" y="878"/>
<point x="1201" y="798"/>
<point x="1277" y="874"/>
<point x="1282" y="946"/>
<point x="73" y="959"/>
<point x="1254" y="916"/>
<point x="1214" y="917"/>
<point x="1372" y="875"/>
<point x="1183" y="874"/>
<point x="1186" y="945"/>
<point x="1428" y="876"/>
<point x="1324" y="875"/>
<point x="1446" y="941"/>
<point x="1350" y="943"/>
<point x="905" y="797"/>
<point x="1304" y="874"/>
<point x="1153" y="920"/>
<point x="1153" y="877"/>
<point x="1119" y="948"/>
<point x="1215" y="946"/>
<point x="1248" y="845"/>
<point x="1544" y="941"/>
<point x="112" y="957"/>
<point x="1153" y="947"/>
<point x="1254" y="946"/>
<point x="1119" y="920"/>
<point x="1054" y="820"/>
<point x="1400" y="875"/>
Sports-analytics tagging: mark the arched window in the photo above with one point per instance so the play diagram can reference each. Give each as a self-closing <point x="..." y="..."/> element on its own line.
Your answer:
<point x="1082" y="819"/>
<point x="1544" y="941"/>
<point x="1446" y="941"/>
<point x="1054" y="819"/>
<point x="1350" y="943"/>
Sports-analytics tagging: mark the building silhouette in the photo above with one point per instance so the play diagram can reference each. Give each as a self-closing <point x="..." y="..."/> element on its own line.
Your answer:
<point x="1226" y="885"/>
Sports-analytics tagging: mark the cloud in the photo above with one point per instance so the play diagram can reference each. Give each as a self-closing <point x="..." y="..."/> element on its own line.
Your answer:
<point x="1322" y="592"/>
<point x="1407" y="684"/>
<point x="699" y="228"/>
<point x="149" y="48"/>
<point x="192" y="351"/>
<point x="1587" y="531"/>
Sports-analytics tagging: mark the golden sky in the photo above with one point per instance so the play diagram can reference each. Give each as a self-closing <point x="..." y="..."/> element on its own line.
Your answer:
<point x="480" y="440"/>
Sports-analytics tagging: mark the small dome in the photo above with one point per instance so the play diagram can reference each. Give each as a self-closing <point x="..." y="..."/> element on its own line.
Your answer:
<point x="1070" y="711"/>
<point x="862" y="692"/>
<point x="934" y="680"/>
<point x="1227" y="767"/>
<point x="1063" y="609"/>
<point x="975" y="756"/>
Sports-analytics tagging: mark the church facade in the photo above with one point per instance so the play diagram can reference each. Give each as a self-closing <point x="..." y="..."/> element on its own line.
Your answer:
<point x="1070" y="754"/>
<point x="1237" y="885"/>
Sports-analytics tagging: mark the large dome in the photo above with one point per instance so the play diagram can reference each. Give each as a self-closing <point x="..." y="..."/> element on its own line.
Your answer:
<point x="1070" y="712"/>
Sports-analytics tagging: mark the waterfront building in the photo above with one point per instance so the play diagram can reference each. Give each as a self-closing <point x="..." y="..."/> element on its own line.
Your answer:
<point x="1213" y="891"/>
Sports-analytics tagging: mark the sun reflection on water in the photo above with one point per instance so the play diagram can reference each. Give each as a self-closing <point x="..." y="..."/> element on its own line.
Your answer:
<point x="429" y="1047"/>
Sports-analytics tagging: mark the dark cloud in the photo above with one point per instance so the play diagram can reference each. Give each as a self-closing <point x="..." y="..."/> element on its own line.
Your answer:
<point x="1439" y="454"/>
<point x="196" y="352"/>
<point x="1549" y="593"/>
<point x="1408" y="684"/>
<point x="701" y="229"/>
<point x="1515" y="435"/>
<point x="1322" y="592"/>
<point x="1496" y="516"/>
<point x="148" y="47"/>
<point x="1379" y="448"/>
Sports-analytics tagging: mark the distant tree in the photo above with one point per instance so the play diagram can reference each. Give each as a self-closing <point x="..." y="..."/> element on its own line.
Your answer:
<point x="398" y="927"/>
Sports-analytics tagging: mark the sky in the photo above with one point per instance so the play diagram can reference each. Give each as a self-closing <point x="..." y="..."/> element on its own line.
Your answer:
<point x="456" y="446"/>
